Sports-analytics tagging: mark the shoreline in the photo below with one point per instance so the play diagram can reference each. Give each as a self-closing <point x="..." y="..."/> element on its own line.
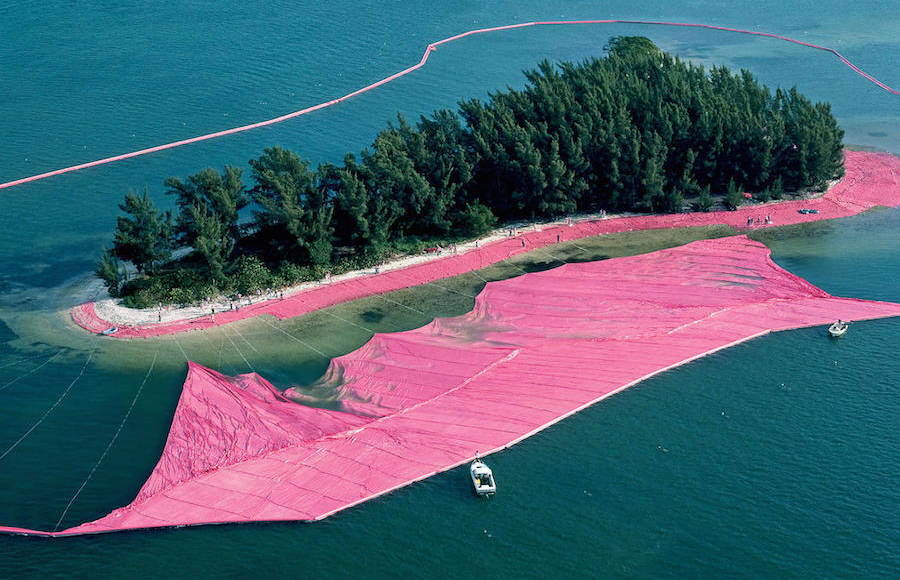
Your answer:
<point x="400" y="423"/>
<point x="869" y="181"/>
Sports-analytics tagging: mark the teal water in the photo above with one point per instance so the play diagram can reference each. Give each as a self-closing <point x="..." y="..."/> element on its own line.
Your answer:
<point x="775" y="458"/>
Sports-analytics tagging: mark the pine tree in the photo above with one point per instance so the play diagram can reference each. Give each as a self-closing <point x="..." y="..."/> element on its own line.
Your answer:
<point x="295" y="205"/>
<point x="351" y="213"/>
<point x="704" y="200"/>
<point x="222" y="194"/>
<point x="111" y="271"/>
<point x="143" y="236"/>
<point x="733" y="196"/>
<point x="211" y="241"/>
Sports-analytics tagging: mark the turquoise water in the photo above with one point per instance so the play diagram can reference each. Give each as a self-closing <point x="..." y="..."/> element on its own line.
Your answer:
<point x="775" y="458"/>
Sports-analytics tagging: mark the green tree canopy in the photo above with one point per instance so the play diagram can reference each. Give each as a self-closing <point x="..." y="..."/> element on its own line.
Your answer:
<point x="638" y="130"/>
<point x="143" y="236"/>
<point x="223" y="195"/>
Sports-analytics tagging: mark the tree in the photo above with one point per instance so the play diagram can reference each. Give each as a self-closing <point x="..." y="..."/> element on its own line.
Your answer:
<point x="476" y="219"/>
<point x="211" y="241"/>
<point x="398" y="189"/>
<point x="733" y="196"/>
<point x="143" y="236"/>
<point x="295" y="205"/>
<point x="777" y="189"/>
<point x="351" y="211"/>
<point x="447" y="149"/>
<point x="629" y="47"/>
<point x="222" y="194"/>
<point x="111" y="271"/>
<point x="704" y="200"/>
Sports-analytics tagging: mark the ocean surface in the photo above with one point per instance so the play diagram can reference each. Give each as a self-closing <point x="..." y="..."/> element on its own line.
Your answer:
<point x="777" y="458"/>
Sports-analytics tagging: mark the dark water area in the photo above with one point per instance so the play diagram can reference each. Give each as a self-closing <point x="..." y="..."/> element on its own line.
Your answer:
<point x="778" y="457"/>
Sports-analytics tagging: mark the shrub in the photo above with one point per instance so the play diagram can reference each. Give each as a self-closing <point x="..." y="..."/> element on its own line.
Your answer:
<point x="477" y="219"/>
<point x="733" y="197"/>
<point x="704" y="200"/>
<point x="250" y="275"/>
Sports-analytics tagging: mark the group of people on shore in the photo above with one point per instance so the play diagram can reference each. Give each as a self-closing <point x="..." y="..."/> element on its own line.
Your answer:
<point x="751" y="222"/>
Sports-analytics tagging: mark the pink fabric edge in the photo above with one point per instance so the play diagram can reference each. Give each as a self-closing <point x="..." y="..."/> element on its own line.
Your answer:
<point x="869" y="181"/>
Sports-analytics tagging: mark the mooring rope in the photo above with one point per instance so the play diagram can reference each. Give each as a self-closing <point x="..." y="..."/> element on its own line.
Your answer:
<point x="32" y="371"/>
<point x="234" y="344"/>
<point x="52" y="407"/>
<point x="295" y="339"/>
<point x="110" y="444"/>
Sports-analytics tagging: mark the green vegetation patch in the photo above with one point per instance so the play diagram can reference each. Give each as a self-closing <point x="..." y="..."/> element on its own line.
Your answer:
<point x="638" y="130"/>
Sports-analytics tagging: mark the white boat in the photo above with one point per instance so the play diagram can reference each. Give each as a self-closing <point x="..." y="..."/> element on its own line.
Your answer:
<point x="482" y="477"/>
<point x="110" y="330"/>
<point x="839" y="328"/>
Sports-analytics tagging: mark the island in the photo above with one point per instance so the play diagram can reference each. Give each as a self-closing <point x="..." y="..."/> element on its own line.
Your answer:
<point x="635" y="131"/>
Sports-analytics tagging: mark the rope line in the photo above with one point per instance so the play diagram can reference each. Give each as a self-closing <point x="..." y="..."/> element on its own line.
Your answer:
<point x="52" y="407"/>
<point x="342" y="319"/>
<point x="181" y="348"/>
<point x="234" y="344"/>
<point x="410" y="308"/>
<point x="548" y="253"/>
<point x="294" y="338"/>
<point x="247" y="342"/>
<point x="32" y="371"/>
<point x="20" y="360"/>
<point x="110" y="444"/>
<point x="431" y="48"/>
<point x="479" y="276"/>
<point x="434" y="283"/>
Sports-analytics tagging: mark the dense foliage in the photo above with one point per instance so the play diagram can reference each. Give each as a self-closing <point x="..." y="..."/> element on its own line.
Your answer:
<point x="638" y="130"/>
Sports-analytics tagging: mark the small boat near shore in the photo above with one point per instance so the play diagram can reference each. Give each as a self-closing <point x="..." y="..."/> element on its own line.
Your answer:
<point x="109" y="331"/>
<point x="482" y="477"/>
<point x="839" y="328"/>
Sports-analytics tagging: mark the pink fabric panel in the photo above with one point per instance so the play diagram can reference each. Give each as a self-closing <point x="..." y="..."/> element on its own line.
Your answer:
<point x="538" y="348"/>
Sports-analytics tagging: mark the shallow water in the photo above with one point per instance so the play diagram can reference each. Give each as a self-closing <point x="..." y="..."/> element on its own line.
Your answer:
<point x="777" y="457"/>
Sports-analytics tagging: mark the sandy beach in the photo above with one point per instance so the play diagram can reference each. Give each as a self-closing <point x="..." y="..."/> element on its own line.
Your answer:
<point x="869" y="181"/>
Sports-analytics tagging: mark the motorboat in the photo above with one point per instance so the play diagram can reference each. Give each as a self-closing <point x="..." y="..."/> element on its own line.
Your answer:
<point x="839" y="328"/>
<point x="110" y="330"/>
<point x="482" y="477"/>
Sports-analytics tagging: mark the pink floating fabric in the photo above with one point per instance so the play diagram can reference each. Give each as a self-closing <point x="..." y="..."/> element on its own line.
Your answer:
<point x="534" y="350"/>
<point x="870" y="180"/>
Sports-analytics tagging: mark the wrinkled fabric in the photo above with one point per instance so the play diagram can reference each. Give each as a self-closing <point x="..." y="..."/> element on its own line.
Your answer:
<point x="534" y="350"/>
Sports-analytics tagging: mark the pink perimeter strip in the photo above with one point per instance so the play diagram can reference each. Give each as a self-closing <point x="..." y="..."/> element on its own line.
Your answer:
<point x="870" y="180"/>
<point x="431" y="47"/>
<point x="534" y="350"/>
